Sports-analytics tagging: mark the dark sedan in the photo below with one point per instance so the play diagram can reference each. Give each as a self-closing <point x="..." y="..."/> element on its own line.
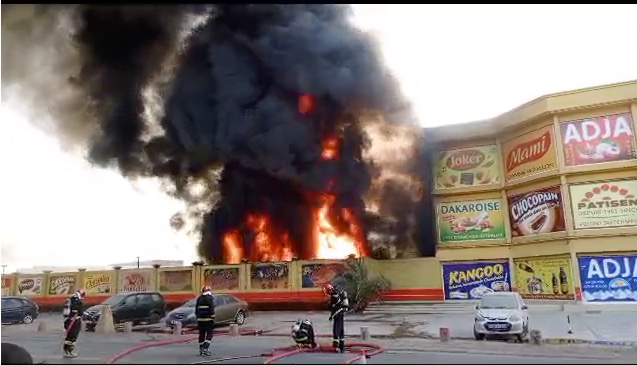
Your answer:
<point x="19" y="310"/>
<point x="228" y="309"/>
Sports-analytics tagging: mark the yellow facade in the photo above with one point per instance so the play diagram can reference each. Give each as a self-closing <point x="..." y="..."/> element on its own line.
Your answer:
<point x="556" y="142"/>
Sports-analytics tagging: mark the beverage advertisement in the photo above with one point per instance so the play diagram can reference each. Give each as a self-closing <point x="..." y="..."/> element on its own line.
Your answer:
<point x="529" y="154"/>
<point x="468" y="167"/>
<point x="317" y="275"/>
<point x="471" y="220"/>
<point x="62" y="284"/>
<point x="270" y="276"/>
<point x="98" y="282"/>
<point x="30" y="286"/>
<point x="225" y="279"/>
<point x="601" y="139"/>
<point x="175" y="280"/>
<point x="604" y="204"/>
<point x="471" y="280"/>
<point x="7" y="281"/>
<point x="611" y="278"/>
<point x="537" y="212"/>
<point x="544" y="277"/>
<point x="135" y="280"/>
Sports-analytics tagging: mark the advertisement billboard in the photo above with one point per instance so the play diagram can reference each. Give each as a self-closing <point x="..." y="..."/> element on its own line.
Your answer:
<point x="608" y="278"/>
<point x="536" y="212"/>
<point x="62" y="284"/>
<point x="317" y="275"/>
<point x="604" y="204"/>
<point x="471" y="220"/>
<point x="30" y="286"/>
<point x="98" y="282"/>
<point x="270" y="276"/>
<point x="7" y="281"/>
<point x="135" y="280"/>
<point x="472" y="279"/>
<point x="601" y="139"/>
<point x="175" y="280"/>
<point x="222" y="279"/>
<point x="529" y="154"/>
<point x="467" y="167"/>
<point x="544" y="277"/>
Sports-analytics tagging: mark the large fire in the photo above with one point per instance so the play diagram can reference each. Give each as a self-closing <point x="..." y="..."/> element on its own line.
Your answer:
<point x="329" y="239"/>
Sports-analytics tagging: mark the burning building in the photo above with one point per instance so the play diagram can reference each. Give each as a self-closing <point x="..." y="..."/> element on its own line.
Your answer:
<point x="279" y="125"/>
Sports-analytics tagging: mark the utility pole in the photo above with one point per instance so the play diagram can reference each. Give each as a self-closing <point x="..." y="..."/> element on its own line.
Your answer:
<point x="3" y="267"/>
<point x="138" y="262"/>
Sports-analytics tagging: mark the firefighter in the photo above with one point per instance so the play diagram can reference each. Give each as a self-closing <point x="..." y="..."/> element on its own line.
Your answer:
<point x="205" y="312"/>
<point x="339" y="304"/>
<point x="303" y="333"/>
<point x="73" y="322"/>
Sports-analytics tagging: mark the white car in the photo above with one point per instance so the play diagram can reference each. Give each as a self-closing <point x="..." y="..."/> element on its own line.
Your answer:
<point x="501" y="313"/>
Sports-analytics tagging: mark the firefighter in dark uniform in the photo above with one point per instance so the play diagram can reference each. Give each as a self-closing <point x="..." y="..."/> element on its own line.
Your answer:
<point x="205" y="312"/>
<point x="73" y="322"/>
<point x="339" y="304"/>
<point x="303" y="333"/>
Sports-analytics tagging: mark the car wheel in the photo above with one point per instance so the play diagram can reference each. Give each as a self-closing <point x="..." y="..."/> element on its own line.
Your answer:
<point x="27" y="319"/>
<point x="154" y="318"/>
<point x="478" y="336"/>
<point x="240" y="318"/>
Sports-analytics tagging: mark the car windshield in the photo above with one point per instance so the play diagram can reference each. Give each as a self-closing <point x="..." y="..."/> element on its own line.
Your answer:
<point x="190" y="303"/>
<point x="498" y="302"/>
<point x="114" y="300"/>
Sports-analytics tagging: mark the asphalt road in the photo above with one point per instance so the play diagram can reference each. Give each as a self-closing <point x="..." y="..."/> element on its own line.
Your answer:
<point x="95" y="348"/>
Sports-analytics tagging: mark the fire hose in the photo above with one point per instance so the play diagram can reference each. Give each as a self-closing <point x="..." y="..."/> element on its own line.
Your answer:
<point x="366" y="349"/>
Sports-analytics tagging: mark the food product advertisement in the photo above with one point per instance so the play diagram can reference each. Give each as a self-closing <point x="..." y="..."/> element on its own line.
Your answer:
<point x="270" y="276"/>
<point x="468" y="167"/>
<point x="548" y="277"/>
<point x="135" y="280"/>
<point x="611" y="278"/>
<point x="6" y="285"/>
<point x="471" y="220"/>
<point x="175" y="280"/>
<point x="529" y="154"/>
<point x="30" y="286"/>
<point x="471" y="280"/>
<point x="537" y="212"/>
<point x="604" y="204"/>
<point x="595" y="140"/>
<point x="62" y="284"/>
<point x="317" y="275"/>
<point x="224" y="279"/>
<point x="98" y="282"/>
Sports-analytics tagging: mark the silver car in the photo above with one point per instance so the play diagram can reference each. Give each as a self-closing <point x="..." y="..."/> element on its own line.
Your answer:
<point x="501" y="313"/>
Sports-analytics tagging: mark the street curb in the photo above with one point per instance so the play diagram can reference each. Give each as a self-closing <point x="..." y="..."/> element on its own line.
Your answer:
<point x="573" y="341"/>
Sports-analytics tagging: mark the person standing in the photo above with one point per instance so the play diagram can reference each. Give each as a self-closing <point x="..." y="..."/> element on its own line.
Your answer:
<point x="339" y="303"/>
<point x="205" y="312"/>
<point x="73" y="322"/>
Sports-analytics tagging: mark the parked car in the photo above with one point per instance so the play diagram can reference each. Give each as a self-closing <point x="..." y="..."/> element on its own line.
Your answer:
<point x="501" y="313"/>
<point x="19" y="310"/>
<point x="228" y="309"/>
<point x="139" y="307"/>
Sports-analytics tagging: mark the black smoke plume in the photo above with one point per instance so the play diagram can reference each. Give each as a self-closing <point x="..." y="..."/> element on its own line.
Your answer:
<point x="231" y="139"/>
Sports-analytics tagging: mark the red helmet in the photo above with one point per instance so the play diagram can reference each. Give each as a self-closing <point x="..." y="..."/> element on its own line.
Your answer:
<point x="328" y="289"/>
<point x="206" y="288"/>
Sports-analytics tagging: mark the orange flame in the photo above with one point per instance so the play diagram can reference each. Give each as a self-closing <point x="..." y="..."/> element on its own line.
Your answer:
<point x="330" y="148"/>
<point x="329" y="242"/>
<point x="267" y="245"/>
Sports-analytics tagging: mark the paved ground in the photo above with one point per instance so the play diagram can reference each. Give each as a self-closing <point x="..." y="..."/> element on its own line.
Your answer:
<point x="95" y="348"/>
<point x="602" y="325"/>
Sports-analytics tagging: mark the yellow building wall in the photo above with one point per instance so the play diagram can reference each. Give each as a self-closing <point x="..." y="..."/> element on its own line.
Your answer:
<point x="479" y="148"/>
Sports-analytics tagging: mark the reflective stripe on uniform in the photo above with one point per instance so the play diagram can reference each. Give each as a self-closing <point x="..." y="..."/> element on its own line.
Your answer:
<point x="205" y="319"/>
<point x="203" y="306"/>
<point x="69" y="342"/>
